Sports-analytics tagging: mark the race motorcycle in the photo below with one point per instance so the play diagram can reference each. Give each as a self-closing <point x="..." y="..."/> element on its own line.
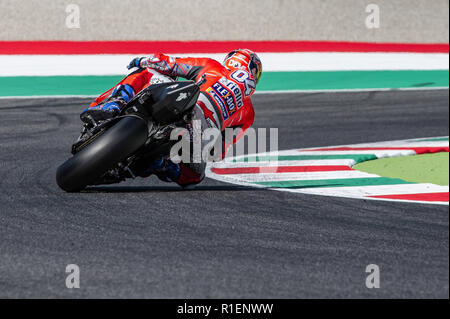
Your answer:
<point x="107" y="151"/>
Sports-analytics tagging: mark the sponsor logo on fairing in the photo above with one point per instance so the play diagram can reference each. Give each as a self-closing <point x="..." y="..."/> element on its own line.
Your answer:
<point x="182" y="96"/>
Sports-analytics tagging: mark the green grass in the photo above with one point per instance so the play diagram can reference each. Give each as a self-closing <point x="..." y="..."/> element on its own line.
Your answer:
<point x="426" y="168"/>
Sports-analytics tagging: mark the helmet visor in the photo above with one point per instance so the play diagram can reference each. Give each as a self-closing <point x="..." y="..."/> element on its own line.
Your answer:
<point x="256" y="69"/>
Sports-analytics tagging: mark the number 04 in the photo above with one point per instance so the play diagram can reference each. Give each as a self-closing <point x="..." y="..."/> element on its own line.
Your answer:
<point x="242" y="76"/>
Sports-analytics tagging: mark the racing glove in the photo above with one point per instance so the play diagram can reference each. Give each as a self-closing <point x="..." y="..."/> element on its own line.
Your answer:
<point x="135" y="63"/>
<point x="159" y="62"/>
<point x="166" y="65"/>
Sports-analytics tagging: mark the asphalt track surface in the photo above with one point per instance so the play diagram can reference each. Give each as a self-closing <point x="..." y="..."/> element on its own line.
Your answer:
<point x="148" y="239"/>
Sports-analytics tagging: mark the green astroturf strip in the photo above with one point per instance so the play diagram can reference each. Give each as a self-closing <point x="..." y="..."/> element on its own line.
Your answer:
<point x="439" y="139"/>
<point x="270" y="81"/>
<point x="335" y="80"/>
<point x="334" y="182"/>
<point x="357" y="157"/>
<point x="426" y="168"/>
<point x="56" y="85"/>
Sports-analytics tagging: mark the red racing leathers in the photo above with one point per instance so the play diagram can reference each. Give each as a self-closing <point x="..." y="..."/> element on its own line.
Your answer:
<point x="224" y="100"/>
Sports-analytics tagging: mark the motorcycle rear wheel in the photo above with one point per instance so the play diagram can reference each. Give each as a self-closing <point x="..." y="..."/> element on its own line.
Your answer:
<point x="115" y="145"/>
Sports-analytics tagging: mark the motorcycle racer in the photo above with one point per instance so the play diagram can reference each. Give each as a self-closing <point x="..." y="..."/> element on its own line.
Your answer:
<point x="224" y="100"/>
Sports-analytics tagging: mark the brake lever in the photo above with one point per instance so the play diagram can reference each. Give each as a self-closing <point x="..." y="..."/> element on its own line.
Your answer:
<point x="202" y="80"/>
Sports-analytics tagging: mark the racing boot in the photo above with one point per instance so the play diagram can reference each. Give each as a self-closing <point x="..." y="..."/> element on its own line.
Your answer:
<point x="182" y="174"/>
<point x="111" y="107"/>
<point x="163" y="168"/>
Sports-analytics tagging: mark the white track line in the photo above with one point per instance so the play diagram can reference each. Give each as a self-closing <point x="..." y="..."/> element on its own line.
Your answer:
<point x="354" y="90"/>
<point x="113" y="64"/>
<point x="301" y="176"/>
<point x="337" y="162"/>
<point x="257" y="92"/>
<point x="379" y="190"/>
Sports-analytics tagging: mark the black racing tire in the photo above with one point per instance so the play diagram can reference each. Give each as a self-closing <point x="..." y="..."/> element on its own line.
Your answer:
<point x="116" y="144"/>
